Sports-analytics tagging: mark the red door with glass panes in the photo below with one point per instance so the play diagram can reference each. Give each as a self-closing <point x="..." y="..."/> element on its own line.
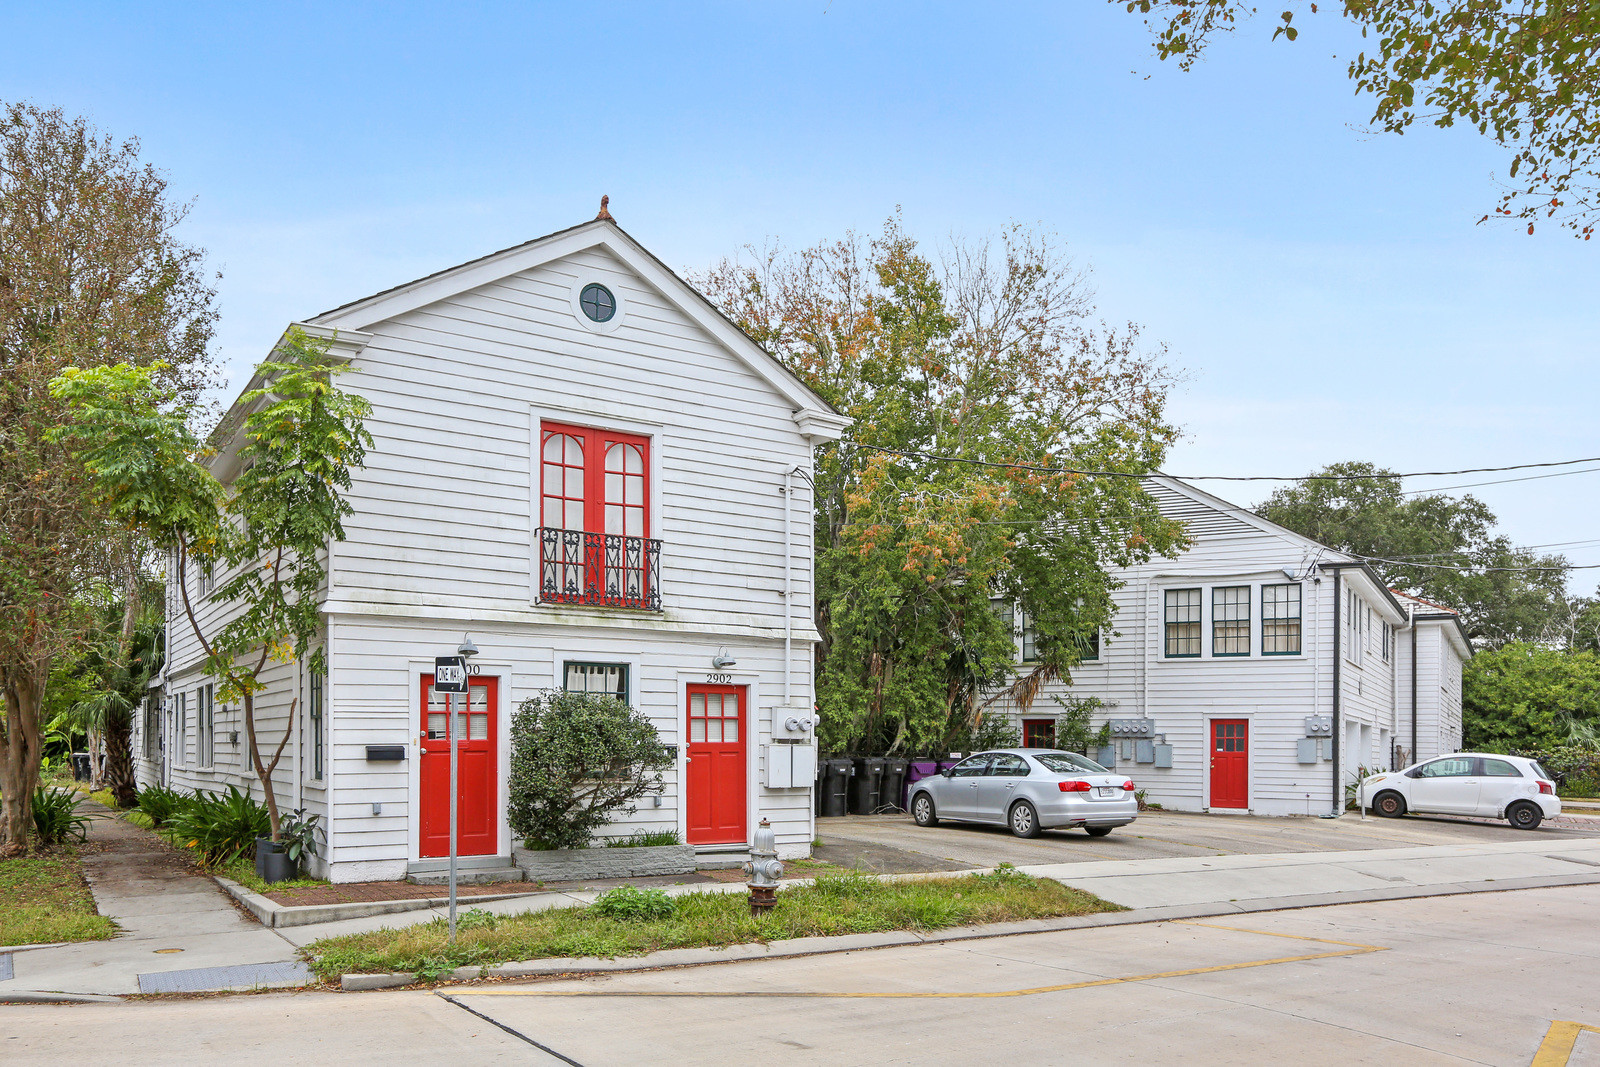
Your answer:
<point x="1038" y="733"/>
<point x="716" y="768"/>
<point x="594" y="489"/>
<point x="1230" y="763"/>
<point x="477" y="788"/>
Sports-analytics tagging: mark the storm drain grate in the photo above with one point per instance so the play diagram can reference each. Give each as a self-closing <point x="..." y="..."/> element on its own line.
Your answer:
<point x="200" y="979"/>
<point x="6" y="973"/>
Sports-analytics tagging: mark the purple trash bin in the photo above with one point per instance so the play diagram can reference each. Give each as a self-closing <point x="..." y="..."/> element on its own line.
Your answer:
<point x="919" y="769"/>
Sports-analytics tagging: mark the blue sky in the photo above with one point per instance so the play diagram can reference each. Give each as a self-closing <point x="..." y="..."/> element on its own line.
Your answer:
<point x="1327" y="291"/>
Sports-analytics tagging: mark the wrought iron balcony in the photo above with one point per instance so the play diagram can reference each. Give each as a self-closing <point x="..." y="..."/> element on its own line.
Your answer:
<point x="604" y="570"/>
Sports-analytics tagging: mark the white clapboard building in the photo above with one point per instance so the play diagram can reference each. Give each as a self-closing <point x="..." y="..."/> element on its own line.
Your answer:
<point x="1258" y="670"/>
<point x="579" y="462"/>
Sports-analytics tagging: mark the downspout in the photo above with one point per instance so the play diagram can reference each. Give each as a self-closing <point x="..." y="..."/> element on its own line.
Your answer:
<point x="1414" y="757"/>
<point x="1338" y="732"/>
<point x="788" y="584"/>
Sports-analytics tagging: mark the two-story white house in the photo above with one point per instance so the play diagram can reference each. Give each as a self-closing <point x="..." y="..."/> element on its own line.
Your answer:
<point x="582" y="464"/>
<point x="1258" y="670"/>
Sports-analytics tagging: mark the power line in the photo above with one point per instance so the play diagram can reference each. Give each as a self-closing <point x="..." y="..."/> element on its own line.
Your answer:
<point x="1497" y="481"/>
<point x="915" y="454"/>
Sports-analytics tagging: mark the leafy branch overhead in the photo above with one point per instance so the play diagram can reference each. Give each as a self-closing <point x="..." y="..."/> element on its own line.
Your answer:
<point x="1522" y="72"/>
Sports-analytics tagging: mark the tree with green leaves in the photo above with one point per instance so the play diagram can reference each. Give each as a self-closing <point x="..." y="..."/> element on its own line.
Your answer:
<point x="1521" y="696"/>
<point x="1524" y="73"/>
<point x="91" y="274"/>
<point x="1432" y="545"/>
<point x="978" y="384"/>
<point x="268" y="530"/>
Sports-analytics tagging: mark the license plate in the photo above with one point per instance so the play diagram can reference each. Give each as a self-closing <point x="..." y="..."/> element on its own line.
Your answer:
<point x="1106" y="790"/>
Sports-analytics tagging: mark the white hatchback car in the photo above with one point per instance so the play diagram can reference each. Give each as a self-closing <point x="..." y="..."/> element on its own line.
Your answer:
<point x="1467" y="783"/>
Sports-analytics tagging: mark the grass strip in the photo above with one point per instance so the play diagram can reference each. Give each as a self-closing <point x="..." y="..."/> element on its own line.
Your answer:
<point x="43" y="898"/>
<point x="849" y="902"/>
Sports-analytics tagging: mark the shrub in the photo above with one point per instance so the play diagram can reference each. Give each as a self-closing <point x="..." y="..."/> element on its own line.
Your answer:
<point x="577" y="761"/>
<point x="632" y="904"/>
<point x="298" y="831"/>
<point x="55" y="816"/>
<point x="221" y="826"/>
<point x="161" y="804"/>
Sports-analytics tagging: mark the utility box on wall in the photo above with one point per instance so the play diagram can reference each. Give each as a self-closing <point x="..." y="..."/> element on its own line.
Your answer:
<point x="791" y="766"/>
<point x="1306" y="750"/>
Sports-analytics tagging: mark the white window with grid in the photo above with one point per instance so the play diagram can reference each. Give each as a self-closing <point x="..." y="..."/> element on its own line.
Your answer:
<point x="1230" y="620"/>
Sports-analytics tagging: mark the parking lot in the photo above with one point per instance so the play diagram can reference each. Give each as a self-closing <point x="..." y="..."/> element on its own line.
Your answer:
<point x="893" y="843"/>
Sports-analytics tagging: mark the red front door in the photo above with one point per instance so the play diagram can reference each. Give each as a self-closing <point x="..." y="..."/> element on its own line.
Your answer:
<point x="477" y="792"/>
<point x="1230" y="763"/>
<point x="716" y="768"/>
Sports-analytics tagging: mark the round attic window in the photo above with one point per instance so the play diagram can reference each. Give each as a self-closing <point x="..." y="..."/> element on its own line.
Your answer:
<point x="597" y="302"/>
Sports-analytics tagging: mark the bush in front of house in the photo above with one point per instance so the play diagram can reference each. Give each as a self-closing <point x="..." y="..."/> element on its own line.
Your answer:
<point x="161" y="803"/>
<point x="633" y="904"/>
<point x="221" y="827"/>
<point x="578" y="761"/>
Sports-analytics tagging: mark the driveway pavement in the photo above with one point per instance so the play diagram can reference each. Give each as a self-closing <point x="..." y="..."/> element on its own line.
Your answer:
<point x="893" y="843"/>
<point x="1489" y="978"/>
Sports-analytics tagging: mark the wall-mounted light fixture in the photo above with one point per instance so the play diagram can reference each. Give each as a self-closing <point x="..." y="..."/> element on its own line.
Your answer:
<point x="722" y="659"/>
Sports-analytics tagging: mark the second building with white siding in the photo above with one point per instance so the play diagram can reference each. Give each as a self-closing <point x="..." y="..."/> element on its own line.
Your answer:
<point x="1258" y="671"/>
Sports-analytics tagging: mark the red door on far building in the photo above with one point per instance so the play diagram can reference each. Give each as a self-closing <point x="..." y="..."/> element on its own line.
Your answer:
<point x="477" y="787"/>
<point x="1038" y="733"/>
<point x="1230" y="763"/>
<point x="716" y="767"/>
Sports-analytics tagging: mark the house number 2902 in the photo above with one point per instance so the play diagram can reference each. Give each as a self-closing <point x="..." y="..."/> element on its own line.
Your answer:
<point x="719" y="679"/>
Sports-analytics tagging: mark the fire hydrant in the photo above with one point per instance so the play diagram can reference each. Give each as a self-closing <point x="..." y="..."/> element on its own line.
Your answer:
<point x="764" y="870"/>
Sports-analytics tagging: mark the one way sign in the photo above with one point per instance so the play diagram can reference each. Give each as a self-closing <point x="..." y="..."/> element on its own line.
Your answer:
<point x="449" y="674"/>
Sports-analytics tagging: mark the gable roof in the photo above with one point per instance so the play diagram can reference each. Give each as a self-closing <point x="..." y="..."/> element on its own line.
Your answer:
<point x="602" y="232"/>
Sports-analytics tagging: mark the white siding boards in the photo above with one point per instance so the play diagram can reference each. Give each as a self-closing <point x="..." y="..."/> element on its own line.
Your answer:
<point x="466" y="370"/>
<point x="1240" y="629"/>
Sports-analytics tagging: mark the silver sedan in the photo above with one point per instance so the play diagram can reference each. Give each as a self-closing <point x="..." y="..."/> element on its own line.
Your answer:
<point x="1027" y="789"/>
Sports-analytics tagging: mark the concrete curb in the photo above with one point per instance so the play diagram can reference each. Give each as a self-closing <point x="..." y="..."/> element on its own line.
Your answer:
<point x="819" y="946"/>
<point x="273" y="914"/>
<point x="31" y="996"/>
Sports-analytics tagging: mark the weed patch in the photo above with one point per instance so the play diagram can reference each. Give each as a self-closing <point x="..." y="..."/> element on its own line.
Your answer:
<point x="846" y="902"/>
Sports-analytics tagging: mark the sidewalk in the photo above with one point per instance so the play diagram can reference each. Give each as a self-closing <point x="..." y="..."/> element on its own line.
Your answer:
<point x="179" y="931"/>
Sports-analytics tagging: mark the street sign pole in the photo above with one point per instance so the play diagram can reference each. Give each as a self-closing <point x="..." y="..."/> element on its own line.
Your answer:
<point x="449" y="702"/>
<point x="450" y="679"/>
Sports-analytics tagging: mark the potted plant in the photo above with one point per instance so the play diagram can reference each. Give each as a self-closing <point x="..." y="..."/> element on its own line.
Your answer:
<point x="279" y="861"/>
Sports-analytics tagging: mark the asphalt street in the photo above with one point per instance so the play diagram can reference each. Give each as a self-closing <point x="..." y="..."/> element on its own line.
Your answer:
<point x="1490" y="978"/>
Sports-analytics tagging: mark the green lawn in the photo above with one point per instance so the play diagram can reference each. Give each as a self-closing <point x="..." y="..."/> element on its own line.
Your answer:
<point x="43" y="899"/>
<point x="844" y="903"/>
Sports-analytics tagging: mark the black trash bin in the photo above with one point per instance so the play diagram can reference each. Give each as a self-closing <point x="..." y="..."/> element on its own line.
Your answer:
<point x="80" y="766"/>
<point x="867" y="786"/>
<point x="894" y="784"/>
<point x="834" y="787"/>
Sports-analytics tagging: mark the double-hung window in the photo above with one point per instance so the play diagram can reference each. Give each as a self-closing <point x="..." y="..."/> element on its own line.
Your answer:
<point x="594" y="529"/>
<point x="1230" y="620"/>
<point x="180" y="729"/>
<point x="1352" y="627"/>
<point x="1182" y="623"/>
<point x="206" y="714"/>
<point x="608" y="678"/>
<point x="1388" y="641"/>
<point x="1280" y="620"/>
<point x="1030" y="638"/>
<point x="314" y="714"/>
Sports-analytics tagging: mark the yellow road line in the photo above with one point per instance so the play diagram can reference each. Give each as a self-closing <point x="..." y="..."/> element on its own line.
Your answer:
<point x="1274" y="933"/>
<point x="1351" y="948"/>
<point x="1556" y="1048"/>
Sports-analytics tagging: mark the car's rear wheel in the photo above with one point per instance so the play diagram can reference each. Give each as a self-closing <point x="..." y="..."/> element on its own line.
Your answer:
<point x="1524" y="815"/>
<point x="1024" y="820"/>
<point x="922" y="810"/>
<point x="1098" y="831"/>
<point x="1390" y="805"/>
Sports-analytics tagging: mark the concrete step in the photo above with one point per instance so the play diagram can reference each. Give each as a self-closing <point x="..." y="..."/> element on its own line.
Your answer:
<point x="477" y="876"/>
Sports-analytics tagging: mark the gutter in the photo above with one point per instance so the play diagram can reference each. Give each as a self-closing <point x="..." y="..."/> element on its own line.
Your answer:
<point x="1413" y="690"/>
